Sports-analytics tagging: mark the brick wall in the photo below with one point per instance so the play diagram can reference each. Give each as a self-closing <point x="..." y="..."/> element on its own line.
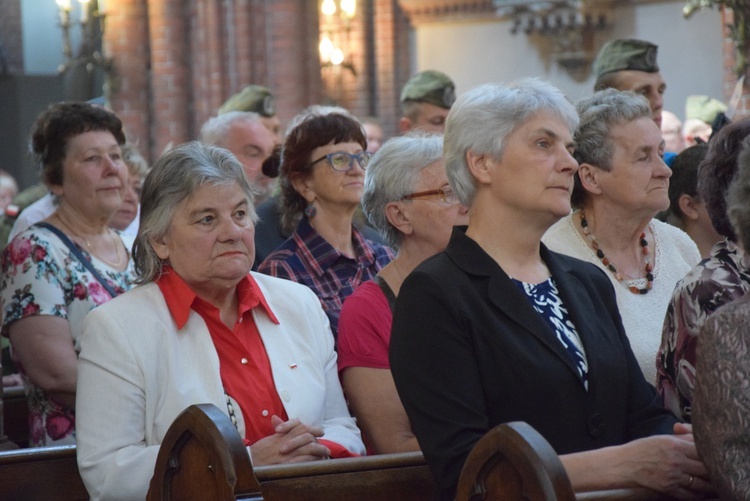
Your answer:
<point x="11" y="41"/>
<point x="127" y="41"/>
<point x="378" y="45"/>
<point x="176" y="61"/>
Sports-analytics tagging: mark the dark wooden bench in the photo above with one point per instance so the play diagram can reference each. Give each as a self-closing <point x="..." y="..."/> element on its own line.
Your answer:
<point x="46" y="473"/>
<point x="203" y="457"/>
<point x="513" y="461"/>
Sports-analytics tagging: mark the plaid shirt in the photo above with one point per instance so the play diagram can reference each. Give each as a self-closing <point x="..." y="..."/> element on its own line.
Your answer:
<point x="308" y="258"/>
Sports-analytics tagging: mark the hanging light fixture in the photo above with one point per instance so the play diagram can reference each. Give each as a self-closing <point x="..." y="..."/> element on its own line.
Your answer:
<point x="335" y="33"/>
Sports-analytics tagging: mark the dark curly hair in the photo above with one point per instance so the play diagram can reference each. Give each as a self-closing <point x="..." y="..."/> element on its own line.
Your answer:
<point x="313" y="132"/>
<point x="716" y="172"/>
<point x="684" y="180"/>
<point x="58" y="124"/>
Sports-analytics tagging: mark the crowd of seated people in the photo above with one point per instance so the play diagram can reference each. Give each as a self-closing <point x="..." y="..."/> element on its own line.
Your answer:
<point x="519" y="273"/>
<point x="721" y="278"/>
<point x="721" y="399"/>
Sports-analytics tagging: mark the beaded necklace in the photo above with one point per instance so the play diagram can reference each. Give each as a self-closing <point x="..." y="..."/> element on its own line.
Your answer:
<point x="611" y="266"/>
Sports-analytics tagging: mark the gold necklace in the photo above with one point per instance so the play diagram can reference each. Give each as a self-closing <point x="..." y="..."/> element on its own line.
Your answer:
<point x="90" y="249"/>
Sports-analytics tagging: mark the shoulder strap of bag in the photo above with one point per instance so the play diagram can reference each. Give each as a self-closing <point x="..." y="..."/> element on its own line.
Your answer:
<point x="79" y="255"/>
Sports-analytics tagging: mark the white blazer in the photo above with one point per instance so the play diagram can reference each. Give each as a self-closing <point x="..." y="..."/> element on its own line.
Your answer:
<point x="137" y="372"/>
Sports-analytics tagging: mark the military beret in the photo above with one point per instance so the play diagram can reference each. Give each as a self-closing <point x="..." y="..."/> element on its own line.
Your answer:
<point x="626" y="54"/>
<point x="254" y="98"/>
<point x="431" y="87"/>
<point x="703" y="108"/>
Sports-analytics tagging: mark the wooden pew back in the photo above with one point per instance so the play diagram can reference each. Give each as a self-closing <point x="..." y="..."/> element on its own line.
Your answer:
<point x="48" y="473"/>
<point x="203" y="457"/>
<point x="513" y="461"/>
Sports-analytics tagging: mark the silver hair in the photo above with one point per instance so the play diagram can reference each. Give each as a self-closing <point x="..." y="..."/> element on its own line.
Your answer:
<point x="481" y="120"/>
<point x="738" y="197"/>
<point x="174" y="178"/>
<point x="392" y="174"/>
<point x="215" y="130"/>
<point x="599" y="113"/>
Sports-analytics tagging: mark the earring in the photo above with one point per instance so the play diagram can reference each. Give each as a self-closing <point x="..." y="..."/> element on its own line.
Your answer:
<point x="310" y="211"/>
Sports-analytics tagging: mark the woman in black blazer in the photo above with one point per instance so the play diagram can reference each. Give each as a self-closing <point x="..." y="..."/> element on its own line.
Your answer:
<point x="497" y="328"/>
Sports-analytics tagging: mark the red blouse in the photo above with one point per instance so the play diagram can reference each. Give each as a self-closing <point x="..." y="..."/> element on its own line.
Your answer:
<point x="243" y="362"/>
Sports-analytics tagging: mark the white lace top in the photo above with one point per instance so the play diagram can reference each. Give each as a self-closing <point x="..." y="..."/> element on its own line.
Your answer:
<point x="675" y="254"/>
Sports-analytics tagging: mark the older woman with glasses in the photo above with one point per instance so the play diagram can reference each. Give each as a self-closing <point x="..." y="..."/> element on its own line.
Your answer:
<point x="408" y="198"/>
<point x="498" y="328"/>
<point x="323" y="163"/>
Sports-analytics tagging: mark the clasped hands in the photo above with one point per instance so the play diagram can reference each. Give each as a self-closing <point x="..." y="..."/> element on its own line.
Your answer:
<point x="292" y="442"/>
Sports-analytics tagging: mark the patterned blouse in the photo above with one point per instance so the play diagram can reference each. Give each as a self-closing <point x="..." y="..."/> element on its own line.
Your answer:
<point x="40" y="276"/>
<point x="546" y="301"/>
<point x="308" y="259"/>
<point x="721" y="417"/>
<point x="717" y="280"/>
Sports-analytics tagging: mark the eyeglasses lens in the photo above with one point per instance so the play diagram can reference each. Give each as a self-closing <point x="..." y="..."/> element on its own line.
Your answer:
<point x="449" y="196"/>
<point x="340" y="161"/>
<point x="344" y="161"/>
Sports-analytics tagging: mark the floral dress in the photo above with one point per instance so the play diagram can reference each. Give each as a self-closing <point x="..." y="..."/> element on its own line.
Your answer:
<point x="41" y="276"/>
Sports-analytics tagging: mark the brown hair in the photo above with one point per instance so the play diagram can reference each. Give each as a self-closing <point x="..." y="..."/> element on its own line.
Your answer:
<point x="313" y="132"/>
<point x="58" y="124"/>
<point x="716" y="172"/>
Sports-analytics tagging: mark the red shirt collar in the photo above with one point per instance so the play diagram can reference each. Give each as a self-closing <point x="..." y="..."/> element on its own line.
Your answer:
<point x="180" y="297"/>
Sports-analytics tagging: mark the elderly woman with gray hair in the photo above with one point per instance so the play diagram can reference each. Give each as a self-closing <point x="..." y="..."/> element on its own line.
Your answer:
<point x="621" y="184"/>
<point x="498" y="328"/>
<point x="408" y="199"/>
<point x="201" y="328"/>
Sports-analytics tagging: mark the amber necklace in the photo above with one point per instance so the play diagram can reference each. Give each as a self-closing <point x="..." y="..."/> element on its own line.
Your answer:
<point x="611" y="266"/>
<point x="112" y="234"/>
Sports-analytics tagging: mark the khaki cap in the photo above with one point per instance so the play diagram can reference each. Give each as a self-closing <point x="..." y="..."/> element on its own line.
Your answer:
<point x="626" y="54"/>
<point x="432" y="87"/>
<point x="703" y="108"/>
<point x="254" y="98"/>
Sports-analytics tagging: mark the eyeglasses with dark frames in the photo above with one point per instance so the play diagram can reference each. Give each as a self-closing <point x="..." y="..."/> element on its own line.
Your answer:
<point x="446" y="194"/>
<point x="342" y="161"/>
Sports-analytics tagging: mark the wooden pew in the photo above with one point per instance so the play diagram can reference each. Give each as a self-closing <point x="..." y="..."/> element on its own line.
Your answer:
<point x="513" y="461"/>
<point x="203" y="457"/>
<point x="46" y="473"/>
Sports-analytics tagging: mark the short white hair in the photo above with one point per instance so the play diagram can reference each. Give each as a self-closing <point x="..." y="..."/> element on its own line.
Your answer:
<point x="482" y="118"/>
<point x="215" y="130"/>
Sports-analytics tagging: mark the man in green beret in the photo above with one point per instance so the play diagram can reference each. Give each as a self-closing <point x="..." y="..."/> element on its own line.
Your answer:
<point x="257" y="99"/>
<point x="425" y="101"/>
<point x="700" y="113"/>
<point x="627" y="64"/>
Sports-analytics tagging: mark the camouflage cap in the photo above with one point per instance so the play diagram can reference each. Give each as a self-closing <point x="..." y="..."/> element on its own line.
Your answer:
<point x="626" y="54"/>
<point x="432" y="87"/>
<point x="252" y="98"/>
<point x="703" y="108"/>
